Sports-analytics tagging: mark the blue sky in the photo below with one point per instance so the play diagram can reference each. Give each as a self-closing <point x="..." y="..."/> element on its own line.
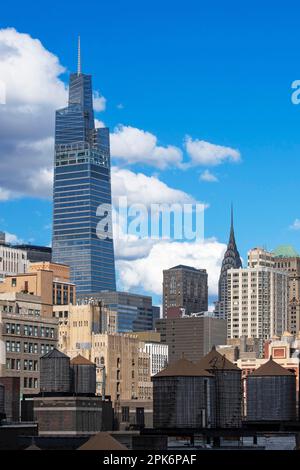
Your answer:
<point x="216" y="71"/>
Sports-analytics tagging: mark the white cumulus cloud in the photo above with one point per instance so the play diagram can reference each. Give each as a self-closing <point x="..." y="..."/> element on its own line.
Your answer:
<point x="33" y="90"/>
<point x="143" y="189"/>
<point x="134" y="145"/>
<point x="99" y="102"/>
<point x="205" y="153"/>
<point x="208" y="177"/>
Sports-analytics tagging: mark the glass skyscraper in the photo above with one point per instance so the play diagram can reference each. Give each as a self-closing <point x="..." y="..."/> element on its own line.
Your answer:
<point x="82" y="230"/>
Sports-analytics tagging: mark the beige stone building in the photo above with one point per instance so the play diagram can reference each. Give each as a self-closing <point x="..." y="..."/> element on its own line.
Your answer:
<point x="288" y="260"/>
<point x="49" y="281"/>
<point x="25" y="336"/>
<point x="77" y="323"/>
<point x="123" y="367"/>
<point x="259" y="257"/>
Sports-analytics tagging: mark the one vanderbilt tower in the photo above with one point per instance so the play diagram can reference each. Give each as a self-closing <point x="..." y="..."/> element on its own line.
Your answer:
<point x="82" y="191"/>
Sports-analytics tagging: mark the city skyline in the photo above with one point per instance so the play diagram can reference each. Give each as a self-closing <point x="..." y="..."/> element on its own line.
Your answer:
<point x="219" y="94"/>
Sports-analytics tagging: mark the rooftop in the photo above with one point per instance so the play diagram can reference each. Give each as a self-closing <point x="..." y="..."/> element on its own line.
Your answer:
<point x="80" y="360"/>
<point x="55" y="353"/>
<point x="285" y="251"/>
<point x="215" y="360"/>
<point x="183" y="368"/>
<point x="102" y="441"/>
<point x="271" y="369"/>
<point x="182" y="266"/>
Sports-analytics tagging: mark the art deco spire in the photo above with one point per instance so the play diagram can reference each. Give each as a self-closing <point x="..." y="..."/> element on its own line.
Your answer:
<point x="232" y="237"/>
<point x="231" y="260"/>
<point x="232" y="257"/>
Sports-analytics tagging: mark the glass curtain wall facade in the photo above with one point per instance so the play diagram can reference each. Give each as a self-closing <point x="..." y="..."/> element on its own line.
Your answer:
<point x="81" y="184"/>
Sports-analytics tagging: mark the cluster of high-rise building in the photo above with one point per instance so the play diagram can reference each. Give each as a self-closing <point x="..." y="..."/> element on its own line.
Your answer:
<point x="80" y="357"/>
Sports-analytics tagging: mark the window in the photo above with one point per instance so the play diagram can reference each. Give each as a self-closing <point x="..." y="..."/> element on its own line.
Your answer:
<point x="14" y="282"/>
<point x="7" y="346"/>
<point x="125" y="414"/>
<point x="35" y="331"/>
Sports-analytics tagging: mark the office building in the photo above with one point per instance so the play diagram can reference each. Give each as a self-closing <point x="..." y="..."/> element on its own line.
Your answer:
<point x="26" y="335"/>
<point x="191" y="335"/>
<point x="231" y="260"/>
<point x="185" y="287"/>
<point x="257" y="303"/>
<point x="49" y="281"/>
<point x="134" y="312"/>
<point x="82" y="219"/>
<point x="156" y="350"/>
<point x="77" y="323"/>
<point x="36" y="253"/>
<point x="288" y="260"/>
<point x="13" y="260"/>
<point x="122" y="366"/>
<point x="260" y="258"/>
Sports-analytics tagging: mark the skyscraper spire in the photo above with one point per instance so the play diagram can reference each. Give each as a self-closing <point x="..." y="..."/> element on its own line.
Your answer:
<point x="231" y="260"/>
<point x="231" y="225"/>
<point x="78" y="58"/>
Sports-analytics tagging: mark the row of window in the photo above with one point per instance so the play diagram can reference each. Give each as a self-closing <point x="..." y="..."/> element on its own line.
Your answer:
<point x="28" y="365"/>
<point x="29" y="348"/>
<point x="30" y="382"/>
<point x="29" y="330"/>
<point x="12" y="255"/>
<point x="30" y="311"/>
